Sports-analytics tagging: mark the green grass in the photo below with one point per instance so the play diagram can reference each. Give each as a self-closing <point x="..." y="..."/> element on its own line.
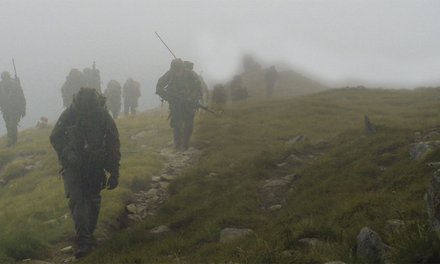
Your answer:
<point x="352" y="181"/>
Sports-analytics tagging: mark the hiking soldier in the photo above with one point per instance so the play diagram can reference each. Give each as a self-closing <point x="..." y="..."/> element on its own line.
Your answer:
<point x="182" y="89"/>
<point x="219" y="95"/>
<point x="271" y="77"/>
<point x="86" y="140"/>
<point x="113" y="96"/>
<point x="131" y="93"/>
<point x="74" y="81"/>
<point x="12" y="105"/>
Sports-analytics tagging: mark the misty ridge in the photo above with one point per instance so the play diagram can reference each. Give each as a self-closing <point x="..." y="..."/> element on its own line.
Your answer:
<point x="219" y="132"/>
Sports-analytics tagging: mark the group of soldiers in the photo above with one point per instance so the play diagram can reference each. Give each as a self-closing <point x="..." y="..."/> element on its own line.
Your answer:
<point x="90" y="77"/>
<point x="86" y="138"/>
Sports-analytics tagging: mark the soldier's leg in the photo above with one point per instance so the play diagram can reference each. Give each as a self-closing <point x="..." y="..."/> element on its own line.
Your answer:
<point x="126" y="108"/>
<point x="187" y="130"/>
<point x="11" y="128"/>
<point x="94" y="208"/>
<point x="79" y="207"/>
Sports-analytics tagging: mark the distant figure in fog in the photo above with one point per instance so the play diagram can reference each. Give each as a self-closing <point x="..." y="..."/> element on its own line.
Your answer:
<point x="219" y="95"/>
<point x="237" y="90"/>
<point x="271" y="77"/>
<point x="74" y="81"/>
<point x="113" y="95"/>
<point x="92" y="78"/>
<point x="131" y="93"/>
<point x="42" y="123"/>
<point x="12" y="105"/>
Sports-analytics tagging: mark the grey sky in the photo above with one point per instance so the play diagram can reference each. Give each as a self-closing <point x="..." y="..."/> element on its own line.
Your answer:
<point x="380" y="42"/>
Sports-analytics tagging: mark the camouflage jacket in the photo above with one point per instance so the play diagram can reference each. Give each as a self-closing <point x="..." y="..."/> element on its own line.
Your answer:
<point x="90" y="140"/>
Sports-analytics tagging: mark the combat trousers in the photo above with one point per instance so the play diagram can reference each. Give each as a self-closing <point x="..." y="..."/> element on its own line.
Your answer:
<point x="84" y="203"/>
<point x="182" y="123"/>
<point x="11" y="121"/>
<point x="130" y="107"/>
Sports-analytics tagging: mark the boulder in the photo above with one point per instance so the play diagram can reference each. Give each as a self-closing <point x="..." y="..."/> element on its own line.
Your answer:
<point x="432" y="199"/>
<point x="295" y="139"/>
<point x="370" y="247"/>
<point x="131" y="208"/>
<point x="230" y="234"/>
<point x="67" y="250"/>
<point x="276" y="183"/>
<point x="275" y="207"/>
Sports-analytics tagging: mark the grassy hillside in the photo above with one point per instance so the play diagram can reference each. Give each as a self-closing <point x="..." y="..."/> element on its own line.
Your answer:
<point x="342" y="180"/>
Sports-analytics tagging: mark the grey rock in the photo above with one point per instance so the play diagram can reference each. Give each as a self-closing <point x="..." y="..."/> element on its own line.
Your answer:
<point x="167" y="177"/>
<point x="67" y="250"/>
<point x="152" y="192"/>
<point x="295" y="139"/>
<point x="275" y="207"/>
<point x="230" y="234"/>
<point x="33" y="261"/>
<point x="310" y="242"/>
<point x="211" y="175"/>
<point x="134" y="217"/>
<point x="370" y="247"/>
<point x="289" y="177"/>
<point x="51" y="222"/>
<point x="369" y="126"/>
<point x="335" y="262"/>
<point x="131" y="208"/>
<point x="164" y="185"/>
<point x="419" y="150"/>
<point x="160" y="230"/>
<point x="395" y="225"/>
<point x="432" y="199"/>
<point x="287" y="253"/>
<point x="275" y="183"/>
<point x="283" y="164"/>
<point x="155" y="178"/>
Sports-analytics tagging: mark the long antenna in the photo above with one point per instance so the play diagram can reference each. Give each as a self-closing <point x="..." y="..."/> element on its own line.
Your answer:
<point x="165" y="45"/>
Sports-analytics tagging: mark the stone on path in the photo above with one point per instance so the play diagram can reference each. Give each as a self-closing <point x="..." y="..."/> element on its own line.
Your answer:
<point x="160" y="230"/>
<point x="230" y="234"/>
<point x="67" y="250"/>
<point x="369" y="247"/>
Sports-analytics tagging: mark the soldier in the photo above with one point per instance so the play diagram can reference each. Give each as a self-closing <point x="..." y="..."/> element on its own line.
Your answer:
<point x="73" y="83"/>
<point x="238" y="91"/>
<point x="219" y="95"/>
<point x="113" y="95"/>
<point x="92" y="78"/>
<point x="271" y="77"/>
<point x="131" y="93"/>
<point x="86" y="140"/>
<point x="12" y="105"/>
<point x="182" y="90"/>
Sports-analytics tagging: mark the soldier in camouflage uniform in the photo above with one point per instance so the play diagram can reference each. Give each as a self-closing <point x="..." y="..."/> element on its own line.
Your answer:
<point x="86" y="140"/>
<point x="271" y="77"/>
<point x="113" y="95"/>
<point x="238" y="91"/>
<point x="219" y="95"/>
<point x="131" y="93"/>
<point x="182" y="89"/>
<point x="92" y="78"/>
<point x="12" y="105"/>
<point x="71" y="86"/>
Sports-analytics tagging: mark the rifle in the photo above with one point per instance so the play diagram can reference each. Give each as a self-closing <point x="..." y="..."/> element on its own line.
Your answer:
<point x="157" y="34"/>
<point x="15" y="71"/>
<point x="196" y="104"/>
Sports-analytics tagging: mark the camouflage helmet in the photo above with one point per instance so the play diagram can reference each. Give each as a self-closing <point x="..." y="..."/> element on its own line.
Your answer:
<point x="86" y="99"/>
<point x="177" y="64"/>
<point x="5" y="75"/>
<point x="189" y="65"/>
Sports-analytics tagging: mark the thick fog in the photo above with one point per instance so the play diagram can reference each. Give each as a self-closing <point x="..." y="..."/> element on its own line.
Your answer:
<point x="393" y="43"/>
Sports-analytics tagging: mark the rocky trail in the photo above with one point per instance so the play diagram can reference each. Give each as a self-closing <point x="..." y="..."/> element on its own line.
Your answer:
<point x="143" y="204"/>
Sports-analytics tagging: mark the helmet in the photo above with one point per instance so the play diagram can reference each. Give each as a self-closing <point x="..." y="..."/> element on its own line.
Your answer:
<point x="86" y="99"/>
<point x="189" y="65"/>
<point x="177" y="64"/>
<point x="5" y="75"/>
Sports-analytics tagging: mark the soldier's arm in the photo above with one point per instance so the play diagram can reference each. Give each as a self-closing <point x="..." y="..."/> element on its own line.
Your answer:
<point x="113" y="154"/>
<point x="161" y="84"/>
<point x="58" y="135"/>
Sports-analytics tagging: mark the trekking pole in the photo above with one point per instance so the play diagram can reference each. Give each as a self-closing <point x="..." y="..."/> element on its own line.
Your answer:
<point x="157" y="34"/>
